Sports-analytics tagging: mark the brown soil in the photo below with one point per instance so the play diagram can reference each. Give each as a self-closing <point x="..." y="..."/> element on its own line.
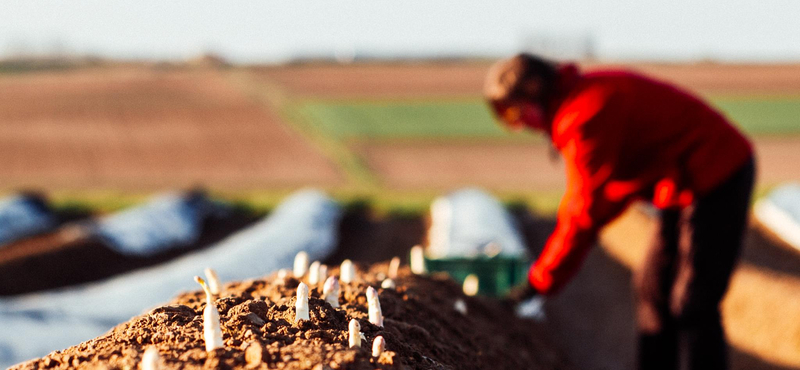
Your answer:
<point x="758" y="311"/>
<point x="70" y="256"/>
<point x="592" y="320"/>
<point x="422" y="331"/>
<point x="370" y="238"/>
<point x="142" y="128"/>
<point x="447" y="79"/>
<point x="377" y="80"/>
<point x="714" y="78"/>
<point x="497" y="166"/>
<point x="777" y="159"/>
<point x="65" y="216"/>
<point x="519" y="166"/>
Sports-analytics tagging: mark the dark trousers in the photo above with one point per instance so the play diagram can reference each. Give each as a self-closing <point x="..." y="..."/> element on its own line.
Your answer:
<point x="685" y="275"/>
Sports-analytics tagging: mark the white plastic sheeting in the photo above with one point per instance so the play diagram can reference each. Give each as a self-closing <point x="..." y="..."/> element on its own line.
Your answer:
<point x="168" y="221"/>
<point x="36" y="324"/>
<point x="469" y="222"/>
<point x="780" y="212"/>
<point x="22" y="216"/>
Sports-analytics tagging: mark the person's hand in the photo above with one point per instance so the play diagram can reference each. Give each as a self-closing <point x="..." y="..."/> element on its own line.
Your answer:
<point x="520" y="294"/>
<point x="526" y="302"/>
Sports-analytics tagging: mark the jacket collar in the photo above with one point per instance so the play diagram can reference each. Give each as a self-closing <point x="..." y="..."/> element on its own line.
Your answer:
<point x="568" y="78"/>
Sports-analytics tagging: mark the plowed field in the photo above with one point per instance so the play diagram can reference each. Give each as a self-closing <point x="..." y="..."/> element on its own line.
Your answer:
<point x="146" y="128"/>
<point x="378" y="80"/>
<point x="508" y="167"/>
<point x="357" y="98"/>
<point x="432" y="79"/>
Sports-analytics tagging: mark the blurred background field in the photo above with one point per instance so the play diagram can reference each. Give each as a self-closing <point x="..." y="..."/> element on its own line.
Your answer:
<point x="105" y="134"/>
<point x="389" y="136"/>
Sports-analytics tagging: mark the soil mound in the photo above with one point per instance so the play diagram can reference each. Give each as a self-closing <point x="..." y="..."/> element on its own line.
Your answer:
<point x="422" y="329"/>
<point x="72" y="255"/>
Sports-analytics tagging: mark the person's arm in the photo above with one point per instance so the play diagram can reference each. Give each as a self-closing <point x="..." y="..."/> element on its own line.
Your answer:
<point x="591" y="157"/>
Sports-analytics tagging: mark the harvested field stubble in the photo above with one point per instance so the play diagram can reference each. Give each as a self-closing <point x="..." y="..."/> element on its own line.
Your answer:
<point x="422" y="330"/>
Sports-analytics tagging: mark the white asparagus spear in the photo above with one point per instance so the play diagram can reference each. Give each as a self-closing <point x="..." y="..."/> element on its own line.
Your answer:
<point x="300" y="264"/>
<point x="354" y="333"/>
<point x="460" y="306"/>
<point x="283" y="274"/>
<point x="471" y="285"/>
<point x="301" y="307"/>
<point x="313" y="273"/>
<point x="330" y="292"/>
<point x="378" y="345"/>
<point x="394" y="265"/>
<point x="388" y="284"/>
<point x="347" y="272"/>
<point x="374" y="303"/>
<point x="323" y="273"/>
<point x="417" y="261"/>
<point x="151" y="360"/>
<point x="213" y="281"/>
<point x="212" y="333"/>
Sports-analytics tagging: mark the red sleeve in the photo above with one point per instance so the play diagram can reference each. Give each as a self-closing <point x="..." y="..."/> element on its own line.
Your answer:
<point x="590" y="155"/>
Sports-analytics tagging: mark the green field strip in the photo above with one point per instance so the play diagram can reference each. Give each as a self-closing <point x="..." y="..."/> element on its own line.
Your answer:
<point x="440" y="118"/>
<point x="352" y="167"/>
<point x="448" y="119"/>
<point x="351" y="164"/>
<point x="336" y="126"/>
<point x="768" y="115"/>
<point x="262" y="201"/>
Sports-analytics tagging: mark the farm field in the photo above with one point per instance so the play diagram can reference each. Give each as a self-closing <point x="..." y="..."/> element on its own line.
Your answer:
<point x="502" y="167"/>
<point x="351" y="129"/>
<point x="436" y="79"/>
<point x="389" y="80"/>
<point x="390" y="134"/>
<point x="768" y="115"/>
<point x="143" y="128"/>
<point x="425" y="119"/>
<point x="757" y="115"/>
<point x="393" y="116"/>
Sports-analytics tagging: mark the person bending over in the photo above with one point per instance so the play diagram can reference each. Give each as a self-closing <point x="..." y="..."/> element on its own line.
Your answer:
<point x="626" y="137"/>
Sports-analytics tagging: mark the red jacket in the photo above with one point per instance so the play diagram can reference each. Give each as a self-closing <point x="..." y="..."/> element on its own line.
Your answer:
<point x="625" y="137"/>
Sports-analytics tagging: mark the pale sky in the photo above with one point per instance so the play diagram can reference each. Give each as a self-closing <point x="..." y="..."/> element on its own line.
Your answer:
<point x="270" y="31"/>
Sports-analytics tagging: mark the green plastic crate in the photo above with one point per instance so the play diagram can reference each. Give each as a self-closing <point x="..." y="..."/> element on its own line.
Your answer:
<point x="496" y="275"/>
